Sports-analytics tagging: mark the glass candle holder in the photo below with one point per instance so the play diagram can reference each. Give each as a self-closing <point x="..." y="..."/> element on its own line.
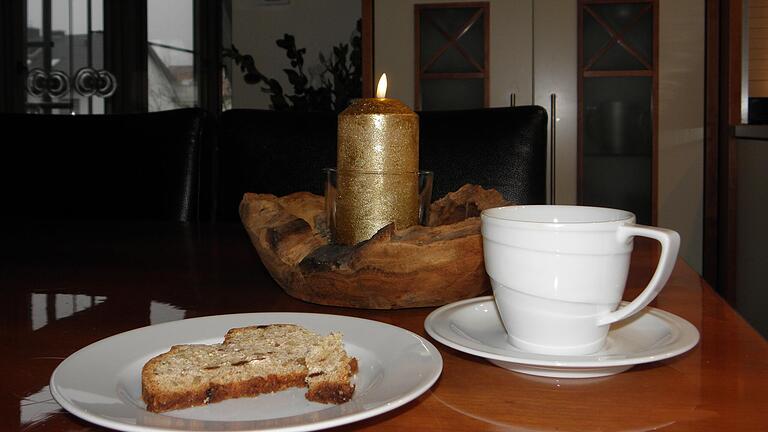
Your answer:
<point x="372" y="211"/>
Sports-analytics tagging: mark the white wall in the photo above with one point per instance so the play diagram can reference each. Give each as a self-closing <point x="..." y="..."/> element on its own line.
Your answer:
<point x="681" y="124"/>
<point x="317" y="25"/>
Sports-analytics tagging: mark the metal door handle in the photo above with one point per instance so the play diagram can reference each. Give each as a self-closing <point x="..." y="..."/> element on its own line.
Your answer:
<point x="90" y="82"/>
<point x="54" y="84"/>
<point x="552" y="145"/>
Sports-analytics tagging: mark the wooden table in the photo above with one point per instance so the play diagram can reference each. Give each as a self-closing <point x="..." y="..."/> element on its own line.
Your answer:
<point x="66" y="285"/>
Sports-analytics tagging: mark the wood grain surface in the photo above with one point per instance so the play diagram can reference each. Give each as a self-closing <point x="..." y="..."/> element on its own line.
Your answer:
<point x="68" y="285"/>
<point x="418" y="266"/>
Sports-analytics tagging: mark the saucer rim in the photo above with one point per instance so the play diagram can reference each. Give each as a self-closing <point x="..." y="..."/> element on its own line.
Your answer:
<point x="687" y="337"/>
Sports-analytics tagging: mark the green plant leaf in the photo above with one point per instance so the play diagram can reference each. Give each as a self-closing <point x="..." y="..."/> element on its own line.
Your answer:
<point x="287" y="42"/>
<point x="340" y="79"/>
<point x="293" y="77"/>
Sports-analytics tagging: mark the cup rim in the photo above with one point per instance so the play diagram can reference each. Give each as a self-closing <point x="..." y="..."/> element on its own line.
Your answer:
<point x="622" y="216"/>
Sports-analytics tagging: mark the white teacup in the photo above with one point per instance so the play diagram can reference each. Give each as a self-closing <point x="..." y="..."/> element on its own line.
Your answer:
<point x="558" y="273"/>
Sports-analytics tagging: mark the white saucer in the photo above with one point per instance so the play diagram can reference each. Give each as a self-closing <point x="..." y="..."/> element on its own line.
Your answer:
<point x="473" y="326"/>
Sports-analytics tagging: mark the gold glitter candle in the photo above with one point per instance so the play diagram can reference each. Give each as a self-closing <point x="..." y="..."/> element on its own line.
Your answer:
<point x="377" y="166"/>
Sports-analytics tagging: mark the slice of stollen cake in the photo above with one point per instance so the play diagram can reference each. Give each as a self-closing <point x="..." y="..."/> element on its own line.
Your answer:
<point x="251" y="361"/>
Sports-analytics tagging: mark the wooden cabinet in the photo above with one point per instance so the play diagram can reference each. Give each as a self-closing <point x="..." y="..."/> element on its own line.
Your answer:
<point x="534" y="53"/>
<point x="618" y="105"/>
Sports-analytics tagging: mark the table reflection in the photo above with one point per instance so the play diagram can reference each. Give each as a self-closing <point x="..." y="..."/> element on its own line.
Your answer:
<point x="615" y="403"/>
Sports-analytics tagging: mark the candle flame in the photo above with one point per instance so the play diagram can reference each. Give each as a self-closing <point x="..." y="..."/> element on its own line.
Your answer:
<point x="381" y="89"/>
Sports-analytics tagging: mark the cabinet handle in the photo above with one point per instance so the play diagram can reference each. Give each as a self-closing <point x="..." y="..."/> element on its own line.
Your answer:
<point x="512" y="99"/>
<point x="552" y="145"/>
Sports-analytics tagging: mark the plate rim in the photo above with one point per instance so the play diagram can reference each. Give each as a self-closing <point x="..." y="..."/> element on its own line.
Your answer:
<point x="422" y="386"/>
<point x="682" y="344"/>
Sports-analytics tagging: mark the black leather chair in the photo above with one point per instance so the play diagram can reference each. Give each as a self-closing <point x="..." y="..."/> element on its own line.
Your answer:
<point x="500" y="148"/>
<point x="277" y="152"/>
<point x="284" y="152"/>
<point x="105" y="167"/>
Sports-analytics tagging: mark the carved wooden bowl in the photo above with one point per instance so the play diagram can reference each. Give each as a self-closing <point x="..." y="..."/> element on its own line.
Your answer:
<point x="419" y="266"/>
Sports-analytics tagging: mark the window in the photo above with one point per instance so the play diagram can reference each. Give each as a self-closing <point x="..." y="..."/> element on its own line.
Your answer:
<point x="65" y="57"/>
<point x="171" y="78"/>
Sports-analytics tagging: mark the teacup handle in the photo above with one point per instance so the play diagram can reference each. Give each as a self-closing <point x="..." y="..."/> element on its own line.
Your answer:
<point x="670" y="244"/>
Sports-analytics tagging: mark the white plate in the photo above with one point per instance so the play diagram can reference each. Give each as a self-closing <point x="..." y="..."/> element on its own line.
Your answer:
<point x="473" y="326"/>
<point x="101" y="383"/>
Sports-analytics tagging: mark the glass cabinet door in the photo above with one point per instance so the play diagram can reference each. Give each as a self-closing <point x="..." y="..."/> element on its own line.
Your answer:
<point x="617" y="84"/>
<point x="452" y="64"/>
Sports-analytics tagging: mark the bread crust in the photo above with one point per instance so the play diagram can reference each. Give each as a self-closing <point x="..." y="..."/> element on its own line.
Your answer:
<point x="160" y="399"/>
<point x="336" y="393"/>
